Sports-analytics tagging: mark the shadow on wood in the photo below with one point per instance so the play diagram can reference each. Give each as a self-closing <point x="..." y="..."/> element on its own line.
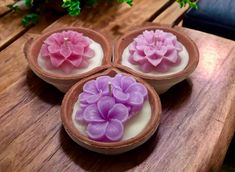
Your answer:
<point x="175" y="97"/>
<point x="90" y="161"/>
<point x="44" y="91"/>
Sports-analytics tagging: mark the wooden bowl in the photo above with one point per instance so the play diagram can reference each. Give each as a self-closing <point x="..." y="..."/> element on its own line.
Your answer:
<point x="160" y="83"/>
<point x="108" y="147"/>
<point x="62" y="81"/>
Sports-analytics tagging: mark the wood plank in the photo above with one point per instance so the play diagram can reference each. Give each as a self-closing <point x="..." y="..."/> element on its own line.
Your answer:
<point x="116" y="21"/>
<point x="171" y="15"/>
<point x="10" y="28"/>
<point x="13" y="64"/>
<point x="3" y="6"/>
<point x="180" y="23"/>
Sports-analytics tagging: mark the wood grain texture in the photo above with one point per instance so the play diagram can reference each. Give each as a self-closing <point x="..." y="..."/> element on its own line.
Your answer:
<point x="13" y="64"/>
<point x="3" y="6"/>
<point x="197" y="123"/>
<point x="171" y="15"/>
<point x="117" y="19"/>
<point x="10" y="28"/>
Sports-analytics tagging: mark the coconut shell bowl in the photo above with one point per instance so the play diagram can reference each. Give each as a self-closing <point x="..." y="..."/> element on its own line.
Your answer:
<point x="169" y="58"/>
<point x="105" y="133"/>
<point x="66" y="49"/>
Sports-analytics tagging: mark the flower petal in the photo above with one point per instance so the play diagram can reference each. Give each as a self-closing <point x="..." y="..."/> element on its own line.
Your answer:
<point x="120" y="96"/>
<point x="149" y="36"/>
<point x="139" y="58"/>
<point x="116" y="81"/>
<point x="139" y="88"/>
<point x="93" y="98"/>
<point x="53" y="48"/>
<point x="131" y="48"/>
<point x="114" y="130"/>
<point x="136" y="99"/>
<point x="104" y="105"/>
<point x="84" y="96"/>
<point x="65" y="50"/>
<point x="84" y="63"/>
<point x="44" y="50"/>
<point x="118" y="112"/>
<point x="96" y="131"/>
<point x="51" y="40"/>
<point x="126" y="81"/>
<point x="90" y="87"/>
<point x="102" y="84"/>
<point x="56" y="60"/>
<point x="154" y="62"/>
<point x="163" y="67"/>
<point x="75" y="60"/>
<point x="79" y="116"/>
<point x="66" y="67"/>
<point x="91" y="114"/>
<point x="77" y="49"/>
<point x="171" y="56"/>
<point x="88" y="52"/>
<point x="146" y="67"/>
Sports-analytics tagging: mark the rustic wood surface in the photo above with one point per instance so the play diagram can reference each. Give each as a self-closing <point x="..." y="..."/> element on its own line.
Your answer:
<point x="197" y="123"/>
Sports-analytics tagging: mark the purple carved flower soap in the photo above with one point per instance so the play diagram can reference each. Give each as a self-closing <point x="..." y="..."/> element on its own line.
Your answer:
<point x="111" y="112"/>
<point x="112" y="108"/>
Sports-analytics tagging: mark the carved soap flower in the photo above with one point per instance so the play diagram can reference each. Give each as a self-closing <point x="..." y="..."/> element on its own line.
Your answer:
<point x="155" y="51"/>
<point x="126" y="90"/>
<point x="67" y="50"/>
<point x="106" y="103"/>
<point x="105" y="119"/>
<point x="93" y="90"/>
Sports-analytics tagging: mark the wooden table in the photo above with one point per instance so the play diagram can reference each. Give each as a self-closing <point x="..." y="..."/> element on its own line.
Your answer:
<point x="197" y="123"/>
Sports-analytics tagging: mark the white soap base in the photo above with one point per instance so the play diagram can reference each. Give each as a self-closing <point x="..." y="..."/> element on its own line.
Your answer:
<point x="184" y="56"/>
<point x="132" y="127"/>
<point x="93" y="62"/>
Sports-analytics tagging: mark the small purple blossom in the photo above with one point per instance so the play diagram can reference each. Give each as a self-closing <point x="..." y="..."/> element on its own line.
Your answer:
<point x="105" y="120"/>
<point x="127" y="91"/>
<point x="93" y="90"/>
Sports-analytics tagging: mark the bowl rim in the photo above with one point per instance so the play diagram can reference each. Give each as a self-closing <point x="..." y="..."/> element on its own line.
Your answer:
<point x="193" y="57"/>
<point x="66" y="116"/>
<point x="34" y="42"/>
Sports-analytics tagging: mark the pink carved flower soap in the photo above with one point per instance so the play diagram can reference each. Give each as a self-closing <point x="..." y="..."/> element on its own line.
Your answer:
<point x="69" y="52"/>
<point x="155" y="52"/>
<point x="112" y="108"/>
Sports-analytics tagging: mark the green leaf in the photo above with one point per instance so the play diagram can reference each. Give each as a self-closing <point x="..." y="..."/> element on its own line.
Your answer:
<point x="191" y="3"/>
<point x="13" y="7"/>
<point x="28" y="3"/>
<point x="72" y="6"/>
<point x="30" y="19"/>
<point x="129" y="2"/>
